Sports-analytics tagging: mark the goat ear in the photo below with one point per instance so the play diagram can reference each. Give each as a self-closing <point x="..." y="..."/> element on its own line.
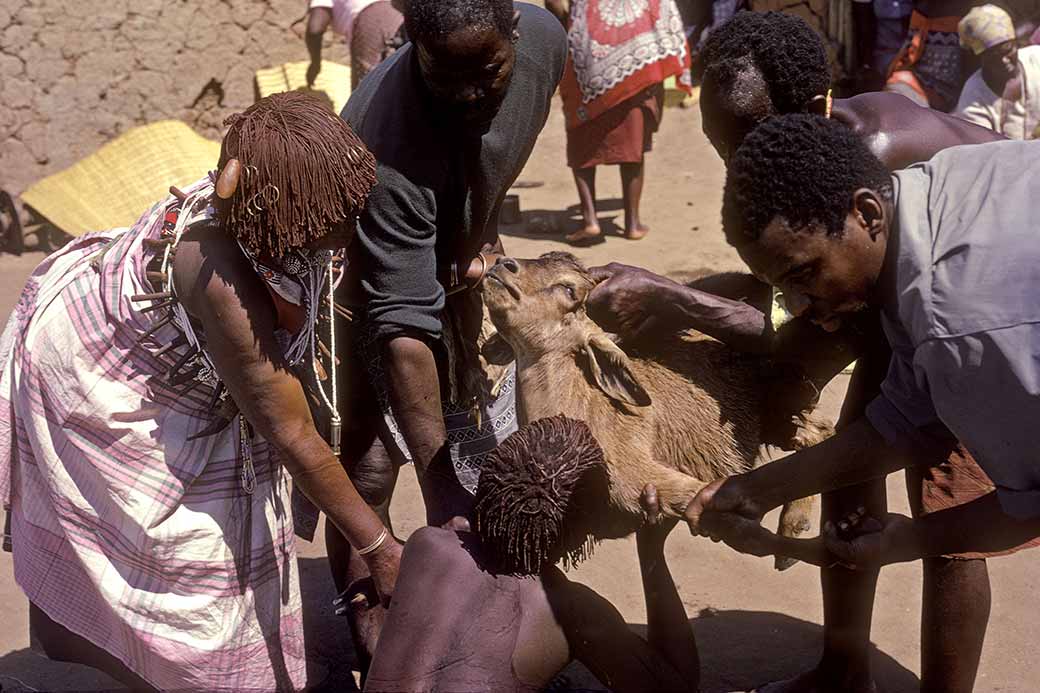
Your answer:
<point x="496" y="351"/>
<point x="612" y="372"/>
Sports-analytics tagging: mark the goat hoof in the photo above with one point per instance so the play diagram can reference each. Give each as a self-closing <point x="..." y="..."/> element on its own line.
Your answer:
<point x="782" y="563"/>
<point x="795" y="527"/>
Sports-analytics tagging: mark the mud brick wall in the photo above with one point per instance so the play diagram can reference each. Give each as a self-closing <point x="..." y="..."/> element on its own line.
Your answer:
<point x="76" y="73"/>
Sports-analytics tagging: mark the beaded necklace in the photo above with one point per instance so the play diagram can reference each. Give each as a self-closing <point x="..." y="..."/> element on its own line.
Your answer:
<point x="300" y="278"/>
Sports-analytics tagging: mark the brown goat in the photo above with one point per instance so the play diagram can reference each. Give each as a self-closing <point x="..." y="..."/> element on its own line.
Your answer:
<point x="707" y="417"/>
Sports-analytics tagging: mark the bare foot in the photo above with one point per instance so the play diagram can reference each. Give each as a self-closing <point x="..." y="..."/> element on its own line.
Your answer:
<point x="638" y="232"/>
<point x="587" y="234"/>
<point x="814" y="682"/>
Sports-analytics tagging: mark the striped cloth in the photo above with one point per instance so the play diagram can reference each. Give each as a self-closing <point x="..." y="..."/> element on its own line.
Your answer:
<point x="471" y="436"/>
<point x="123" y="530"/>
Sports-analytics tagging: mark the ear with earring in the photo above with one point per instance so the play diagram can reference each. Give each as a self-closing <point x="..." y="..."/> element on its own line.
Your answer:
<point x="821" y="104"/>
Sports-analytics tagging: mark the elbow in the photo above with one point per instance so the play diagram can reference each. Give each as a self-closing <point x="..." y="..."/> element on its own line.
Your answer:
<point x="300" y="445"/>
<point x="405" y="352"/>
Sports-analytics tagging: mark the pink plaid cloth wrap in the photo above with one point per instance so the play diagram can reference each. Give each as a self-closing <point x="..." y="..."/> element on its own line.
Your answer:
<point x="124" y="531"/>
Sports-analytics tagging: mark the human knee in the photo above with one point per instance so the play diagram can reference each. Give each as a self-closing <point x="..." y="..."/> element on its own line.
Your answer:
<point x="373" y="476"/>
<point x="969" y="575"/>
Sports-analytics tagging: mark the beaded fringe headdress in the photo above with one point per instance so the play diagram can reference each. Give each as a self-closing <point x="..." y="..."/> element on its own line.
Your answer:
<point x="303" y="172"/>
<point x="538" y="496"/>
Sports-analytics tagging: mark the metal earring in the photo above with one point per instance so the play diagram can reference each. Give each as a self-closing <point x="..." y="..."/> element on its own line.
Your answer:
<point x="269" y="197"/>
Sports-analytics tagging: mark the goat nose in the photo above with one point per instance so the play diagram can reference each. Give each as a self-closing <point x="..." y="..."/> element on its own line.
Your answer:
<point x="510" y="264"/>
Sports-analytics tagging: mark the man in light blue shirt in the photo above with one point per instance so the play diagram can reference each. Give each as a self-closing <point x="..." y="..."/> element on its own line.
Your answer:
<point x="948" y="250"/>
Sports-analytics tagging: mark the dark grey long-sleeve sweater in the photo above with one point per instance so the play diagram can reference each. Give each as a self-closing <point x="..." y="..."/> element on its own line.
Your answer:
<point x="439" y="190"/>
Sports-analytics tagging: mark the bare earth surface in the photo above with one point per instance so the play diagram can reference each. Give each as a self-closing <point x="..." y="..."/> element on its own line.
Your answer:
<point x="753" y="625"/>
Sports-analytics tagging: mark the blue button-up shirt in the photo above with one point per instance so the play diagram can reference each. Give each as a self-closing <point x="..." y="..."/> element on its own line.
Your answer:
<point x="962" y="311"/>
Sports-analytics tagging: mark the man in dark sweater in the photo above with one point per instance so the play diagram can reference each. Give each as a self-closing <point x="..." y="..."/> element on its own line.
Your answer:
<point x="451" y="118"/>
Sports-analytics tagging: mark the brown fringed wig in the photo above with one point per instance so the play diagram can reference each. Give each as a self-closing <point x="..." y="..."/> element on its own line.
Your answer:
<point x="538" y="496"/>
<point x="303" y="173"/>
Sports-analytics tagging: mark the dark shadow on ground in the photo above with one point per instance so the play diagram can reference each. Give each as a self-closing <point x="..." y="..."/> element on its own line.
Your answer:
<point x="330" y="655"/>
<point x="26" y="670"/>
<point x="738" y="649"/>
<point x="554" y="224"/>
<point x="743" y="649"/>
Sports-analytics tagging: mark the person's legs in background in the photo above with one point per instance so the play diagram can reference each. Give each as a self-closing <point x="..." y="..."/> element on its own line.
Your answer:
<point x="622" y="135"/>
<point x="632" y="191"/>
<point x="585" y="180"/>
<point x="643" y="121"/>
<point x="373" y="27"/>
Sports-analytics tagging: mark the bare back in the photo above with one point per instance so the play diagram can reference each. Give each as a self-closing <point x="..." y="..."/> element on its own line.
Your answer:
<point x="900" y="133"/>
<point x="454" y="626"/>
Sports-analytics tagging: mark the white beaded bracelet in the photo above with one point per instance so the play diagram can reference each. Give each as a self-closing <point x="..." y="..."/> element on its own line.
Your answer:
<point x="375" y="544"/>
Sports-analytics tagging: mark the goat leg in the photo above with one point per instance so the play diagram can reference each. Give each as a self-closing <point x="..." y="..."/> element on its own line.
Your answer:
<point x="795" y="520"/>
<point x="675" y="490"/>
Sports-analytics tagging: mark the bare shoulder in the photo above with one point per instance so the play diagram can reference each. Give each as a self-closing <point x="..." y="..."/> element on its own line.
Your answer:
<point x="203" y="255"/>
<point x="454" y="556"/>
<point x="877" y="111"/>
<point x="901" y="133"/>
<point x="435" y="543"/>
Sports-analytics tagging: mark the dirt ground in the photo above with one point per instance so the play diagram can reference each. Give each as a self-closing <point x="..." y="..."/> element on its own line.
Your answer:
<point x="753" y="624"/>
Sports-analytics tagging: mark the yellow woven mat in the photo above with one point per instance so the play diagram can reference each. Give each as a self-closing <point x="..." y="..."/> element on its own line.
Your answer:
<point x="116" y="184"/>
<point x="333" y="81"/>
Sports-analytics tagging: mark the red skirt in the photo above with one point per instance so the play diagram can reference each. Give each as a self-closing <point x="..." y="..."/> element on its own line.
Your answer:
<point x="621" y="135"/>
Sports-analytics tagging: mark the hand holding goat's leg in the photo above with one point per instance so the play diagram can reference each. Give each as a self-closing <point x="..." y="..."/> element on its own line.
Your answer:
<point x="747" y="536"/>
<point x="675" y="490"/>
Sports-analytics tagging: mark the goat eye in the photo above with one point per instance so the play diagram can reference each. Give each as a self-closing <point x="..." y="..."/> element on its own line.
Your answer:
<point x="570" y="291"/>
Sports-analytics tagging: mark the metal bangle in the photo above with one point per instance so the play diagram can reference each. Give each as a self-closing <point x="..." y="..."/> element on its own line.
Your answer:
<point x="375" y="544"/>
<point x="483" y="270"/>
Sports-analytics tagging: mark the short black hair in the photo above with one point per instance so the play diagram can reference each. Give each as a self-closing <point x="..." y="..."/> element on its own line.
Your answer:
<point x="438" y="18"/>
<point x="785" y="49"/>
<point x="803" y="168"/>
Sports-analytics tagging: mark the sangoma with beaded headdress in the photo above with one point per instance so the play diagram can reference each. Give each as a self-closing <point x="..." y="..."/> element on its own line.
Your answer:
<point x="303" y="173"/>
